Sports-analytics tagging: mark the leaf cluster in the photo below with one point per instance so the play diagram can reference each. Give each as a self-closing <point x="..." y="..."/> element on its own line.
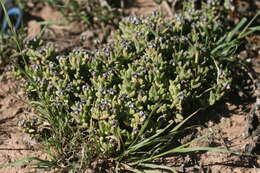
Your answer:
<point x="91" y="13"/>
<point x="129" y="95"/>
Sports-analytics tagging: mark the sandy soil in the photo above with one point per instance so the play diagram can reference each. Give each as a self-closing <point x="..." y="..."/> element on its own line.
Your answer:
<point x="14" y="144"/>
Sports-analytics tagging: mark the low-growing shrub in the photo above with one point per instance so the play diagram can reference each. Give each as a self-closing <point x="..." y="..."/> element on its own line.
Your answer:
<point x="5" y="50"/>
<point x="93" y="13"/>
<point x="122" y="97"/>
<point x="9" y="49"/>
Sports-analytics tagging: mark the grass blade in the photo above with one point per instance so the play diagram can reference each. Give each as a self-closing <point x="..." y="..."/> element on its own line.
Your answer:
<point x="145" y="124"/>
<point x="235" y="30"/>
<point x="250" y="31"/>
<point x="247" y="26"/>
<point x="51" y="22"/>
<point x="155" y="166"/>
<point x="26" y="161"/>
<point x="144" y="142"/>
<point x="185" y="120"/>
<point x="131" y="169"/>
<point x="171" y="151"/>
<point x="191" y="149"/>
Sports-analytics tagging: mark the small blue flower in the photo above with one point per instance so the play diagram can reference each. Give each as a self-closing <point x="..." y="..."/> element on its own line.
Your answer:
<point x="85" y="87"/>
<point x="162" y="119"/>
<point x="135" y="130"/>
<point x="112" y="91"/>
<point x="113" y="123"/>
<point x="155" y="13"/>
<point x="181" y="95"/>
<point x="135" y="75"/>
<point x="130" y="105"/>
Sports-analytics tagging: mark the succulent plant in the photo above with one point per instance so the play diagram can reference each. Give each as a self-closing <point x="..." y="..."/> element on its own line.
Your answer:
<point x="155" y="70"/>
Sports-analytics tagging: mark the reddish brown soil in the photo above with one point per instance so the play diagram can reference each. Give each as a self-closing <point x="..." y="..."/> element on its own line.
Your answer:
<point x="14" y="144"/>
<point x="228" y="134"/>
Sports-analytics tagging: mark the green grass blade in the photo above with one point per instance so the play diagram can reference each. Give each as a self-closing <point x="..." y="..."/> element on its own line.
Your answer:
<point x="250" y="31"/>
<point x="155" y="166"/>
<point x="185" y="120"/>
<point x="7" y="18"/>
<point x="146" y="141"/>
<point x="16" y="38"/>
<point x="131" y="169"/>
<point x="232" y="33"/>
<point x="145" y="124"/>
<point x="220" y="47"/>
<point x="134" y="147"/>
<point x="191" y="149"/>
<point x="51" y="22"/>
<point x="247" y="26"/>
<point x="171" y="151"/>
<point x="227" y="38"/>
<point x="26" y="161"/>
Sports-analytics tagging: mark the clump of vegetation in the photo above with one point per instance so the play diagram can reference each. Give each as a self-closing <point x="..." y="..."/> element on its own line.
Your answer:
<point x="124" y="101"/>
<point x="5" y="52"/>
<point x="92" y="13"/>
<point x="9" y="49"/>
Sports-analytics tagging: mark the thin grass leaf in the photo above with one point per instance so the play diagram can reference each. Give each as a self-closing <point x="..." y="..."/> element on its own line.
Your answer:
<point x="250" y="31"/>
<point x="191" y="149"/>
<point x="145" y="124"/>
<point x="7" y="18"/>
<point x="185" y="120"/>
<point x="38" y="103"/>
<point x="232" y="33"/>
<point x="157" y="148"/>
<point x="152" y="171"/>
<point x="222" y="46"/>
<point x="16" y="38"/>
<point x="148" y="140"/>
<point x="221" y="40"/>
<point x="229" y="50"/>
<point x="51" y="22"/>
<point x="247" y="26"/>
<point x="155" y="166"/>
<point x="153" y="140"/>
<point x="175" y="150"/>
<point x="26" y="161"/>
<point x="131" y="169"/>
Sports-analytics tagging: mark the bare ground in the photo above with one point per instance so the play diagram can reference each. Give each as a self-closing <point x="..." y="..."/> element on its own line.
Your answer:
<point x="14" y="144"/>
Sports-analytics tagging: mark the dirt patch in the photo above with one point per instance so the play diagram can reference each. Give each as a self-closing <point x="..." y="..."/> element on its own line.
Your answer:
<point x="229" y="134"/>
<point x="14" y="144"/>
<point x="142" y="7"/>
<point x="229" y="122"/>
<point x="34" y="29"/>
